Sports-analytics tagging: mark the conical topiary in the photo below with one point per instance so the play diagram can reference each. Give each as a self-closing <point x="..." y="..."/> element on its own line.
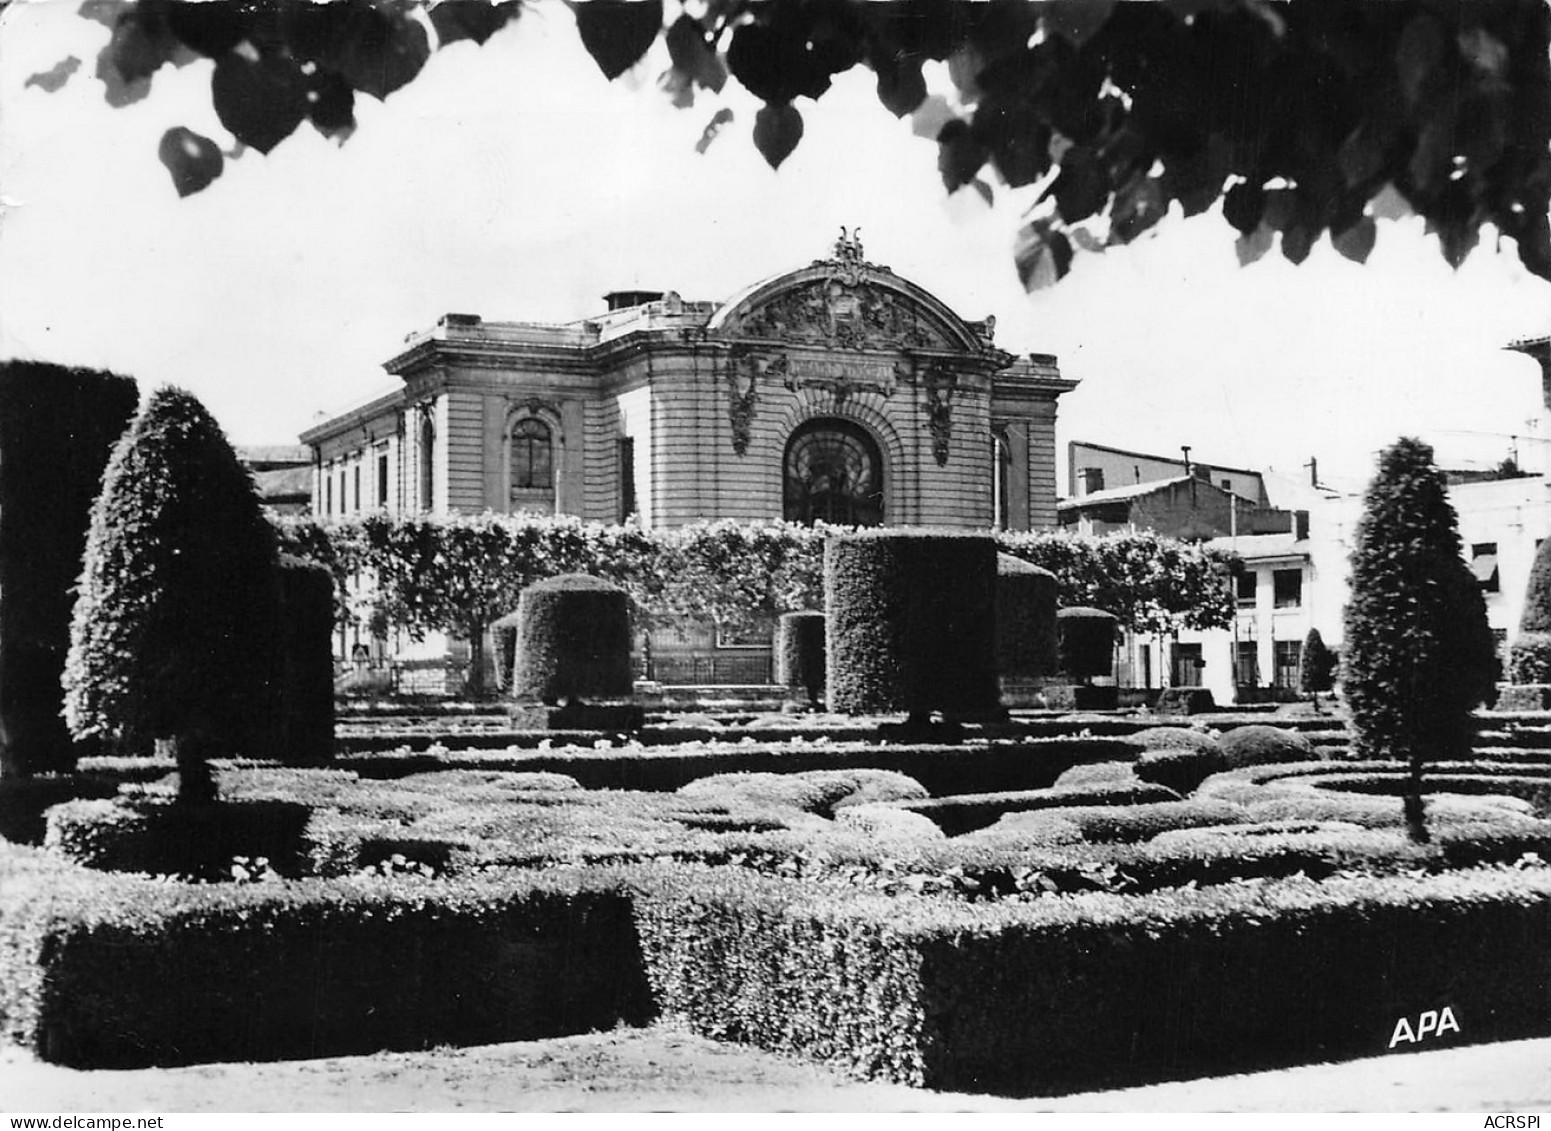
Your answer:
<point x="173" y="632"/>
<point x="1529" y="661"/>
<point x="1419" y="655"/>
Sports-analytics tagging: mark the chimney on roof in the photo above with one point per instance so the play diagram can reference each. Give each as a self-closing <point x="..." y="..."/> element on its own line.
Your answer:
<point x="622" y="300"/>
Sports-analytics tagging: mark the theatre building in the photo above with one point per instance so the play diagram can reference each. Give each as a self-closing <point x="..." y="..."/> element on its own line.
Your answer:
<point x="839" y="391"/>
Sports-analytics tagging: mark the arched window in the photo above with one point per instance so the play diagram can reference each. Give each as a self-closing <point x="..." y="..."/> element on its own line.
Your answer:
<point x="427" y="458"/>
<point x="1001" y="471"/>
<point x="532" y="456"/>
<point x="833" y="473"/>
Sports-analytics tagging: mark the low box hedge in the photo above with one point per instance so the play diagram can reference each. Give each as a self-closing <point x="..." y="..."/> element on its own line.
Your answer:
<point x="1094" y="991"/>
<point x="100" y="971"/>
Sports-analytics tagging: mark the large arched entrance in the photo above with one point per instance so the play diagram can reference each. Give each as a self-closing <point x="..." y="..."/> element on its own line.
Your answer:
<point x="833" y="472"/>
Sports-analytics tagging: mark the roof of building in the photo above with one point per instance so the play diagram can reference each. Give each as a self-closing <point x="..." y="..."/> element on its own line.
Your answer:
<point x="1263" y="546"/>
<point x="274" y="453"/>
<point x="1141" y="490"/>
<point x="288" y="483"/>
<point x="1161" y="459"/>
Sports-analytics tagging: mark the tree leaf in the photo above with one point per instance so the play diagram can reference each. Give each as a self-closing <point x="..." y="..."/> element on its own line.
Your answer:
<point x="1389" y="204"/>
<point x="1253" y="245"/>
<point x="985" y="191"/>
<point x="330" y="105"/>
<point x="712" y="129"/>
<point x="471" y="19"/>
<point x="928" y="119"/>
<point x="1076" y="21"/>
<point x="380" y="50"/>
<point x="693" y="55"/>
<point x="1083" y="187"/>
<point x="1297" y="241"/>
<point x="959" y="155"/>
<point x="1138" y="206"/>
<point x="617" y="33"/>
<point x="1243" y="205"/>
<point x="260" y="101"/>
<point x="777" y="130"/>
<point x="56" y="76"/>
<point x="1419" y="55"/>
<point x="1357" y="241"/>
<point x="1042" y="254"/>
<point x="193" y="160"/>
<point x="901" y="86"/>
<point x="773" y="61"/>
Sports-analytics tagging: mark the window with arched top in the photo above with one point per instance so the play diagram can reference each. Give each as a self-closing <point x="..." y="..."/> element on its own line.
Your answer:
<point x="1001" y="474"/>
<point x="833" y="472"/>
<point x="427" y="459"/>
<point x="531" y="465"/>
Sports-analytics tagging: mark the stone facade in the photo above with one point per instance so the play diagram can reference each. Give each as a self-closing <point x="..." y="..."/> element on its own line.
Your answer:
<point x="838" y="391"/>
<point x="680" y="411"/>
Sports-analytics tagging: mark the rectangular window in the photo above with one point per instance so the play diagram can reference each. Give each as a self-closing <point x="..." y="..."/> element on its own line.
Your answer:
<point x="1287" y="588"/>
<point x="382" y="479"/>
<point x="1483" y="563"/>
<point x="1246" y="663"/>
<point x="358" y="486"/>
<point x="328" y="493"/>
<point x="1288" y="653"/>
<point x="627" y="496"/>
<point x="1187" y="665"/>
<point x="1248" y="582"/>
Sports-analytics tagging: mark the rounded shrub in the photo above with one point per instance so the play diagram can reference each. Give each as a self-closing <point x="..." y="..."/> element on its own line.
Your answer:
<point x="573" y="640"/>
<point x="1026" y="644"/>
<point x="1536" y="617"/>
<point x="1087" y="642"/>
<point x="1097" y="773"/>
<point x="1180" y="768"/>
<point x="57" y="430"/>
<point x="1257" y="745"/>
<point x="1174" y="738"/>
<point x="173" y="635"/>
<point x="799" y="653"/>
<point x="911" y="622"/>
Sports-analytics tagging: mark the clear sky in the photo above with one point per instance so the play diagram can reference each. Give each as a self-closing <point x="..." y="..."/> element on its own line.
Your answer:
<point x="512" y="181"/>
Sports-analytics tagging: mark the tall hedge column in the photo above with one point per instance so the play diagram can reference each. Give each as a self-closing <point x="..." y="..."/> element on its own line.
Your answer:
<point x="57" y="429"/>
<point x="911" y="623"/>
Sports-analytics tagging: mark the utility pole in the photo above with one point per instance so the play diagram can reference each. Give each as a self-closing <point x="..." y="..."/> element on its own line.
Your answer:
<point x="1313" y="466"/>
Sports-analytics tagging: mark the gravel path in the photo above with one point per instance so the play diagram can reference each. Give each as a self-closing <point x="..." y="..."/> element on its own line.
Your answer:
<point x="664" y="1070"/>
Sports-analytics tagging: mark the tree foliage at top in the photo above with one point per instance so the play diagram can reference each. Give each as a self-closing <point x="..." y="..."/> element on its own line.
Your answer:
<point x="172" y="635"/>
<point x="1419" y="655"/>
<point x="1306" y="119"/>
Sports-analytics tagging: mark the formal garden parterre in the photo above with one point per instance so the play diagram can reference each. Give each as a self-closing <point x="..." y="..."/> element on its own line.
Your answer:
<point x="1022" y="902"/>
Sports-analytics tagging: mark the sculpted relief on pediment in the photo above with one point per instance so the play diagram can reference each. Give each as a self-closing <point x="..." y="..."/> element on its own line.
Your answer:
<point x="840" y="314"/>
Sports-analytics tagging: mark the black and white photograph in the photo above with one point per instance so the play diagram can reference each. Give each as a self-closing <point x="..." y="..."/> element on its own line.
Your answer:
<point x="768" y="556"/>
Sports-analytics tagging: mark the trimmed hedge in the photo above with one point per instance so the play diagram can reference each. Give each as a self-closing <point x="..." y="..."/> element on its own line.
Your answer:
<point x="1026" y="646"/>
<point x="1099" y="990"/>
<point x="503" y="632"/>
<point x="1257" y="745"/>
<point x="1529" y="660"/>
<point x="57" y="428"/>
<point x="1181" y="769"/>
<point x="799" y="653"/>
<point x="304" y="731"/>
<point x="117" y="972"/>
<point x="162" y="837"/>
<point x="1087" y="642"/>
<point x="911" y="623"/>
<point x="816" y="791"/>
<point x="573" y="640"/>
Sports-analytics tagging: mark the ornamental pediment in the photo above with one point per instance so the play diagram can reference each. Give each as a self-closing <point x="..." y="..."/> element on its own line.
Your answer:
<point x="841" y="315"/>
<point x="847" y="303"/>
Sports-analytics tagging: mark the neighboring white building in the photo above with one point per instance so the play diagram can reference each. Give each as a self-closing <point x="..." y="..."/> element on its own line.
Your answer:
<point x="1292" y="584"/>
